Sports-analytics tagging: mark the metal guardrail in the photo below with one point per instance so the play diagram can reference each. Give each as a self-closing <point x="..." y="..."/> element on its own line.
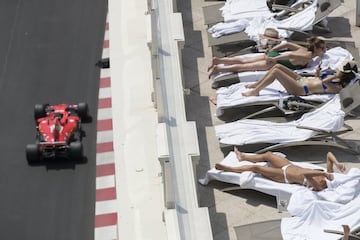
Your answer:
<point x="178" y="137"/>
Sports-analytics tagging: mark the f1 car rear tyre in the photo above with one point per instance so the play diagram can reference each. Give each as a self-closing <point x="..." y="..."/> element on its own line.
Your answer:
<point x="40" y="110"/>
<point x="82" y="110"/>
<point x="76" y="151"/>
<point x="32" y="153"/>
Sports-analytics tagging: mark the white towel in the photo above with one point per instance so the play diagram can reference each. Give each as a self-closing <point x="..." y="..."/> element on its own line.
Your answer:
<point x="328" y="117"/>
<point x="331" y="60"/>
<point x="320" y="215"/>
<point x="221" y="29"/>
<point x="229" y="97"/>
<point x="312" y="212"/>
<point x="259" y="18"/>
<point x="301" y="21"/>
<point x="238" y="9"/>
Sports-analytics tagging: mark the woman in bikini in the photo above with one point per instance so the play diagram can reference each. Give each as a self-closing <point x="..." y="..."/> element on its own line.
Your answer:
<point x="296" y="58"/>
<point x="297" y="85"/>
<point x="283" y="171"/>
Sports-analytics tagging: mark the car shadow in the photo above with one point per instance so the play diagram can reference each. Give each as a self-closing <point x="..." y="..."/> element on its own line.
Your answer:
<point x="59" y="163"/>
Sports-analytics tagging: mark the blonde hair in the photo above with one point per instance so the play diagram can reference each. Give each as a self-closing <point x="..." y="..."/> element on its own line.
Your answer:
<point x="314" y="42"/>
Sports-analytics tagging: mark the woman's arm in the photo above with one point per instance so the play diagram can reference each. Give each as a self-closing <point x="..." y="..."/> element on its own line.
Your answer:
<point x="317" y="184"/>
<point x="314" y="173"/>
<point x="286" y="45"/>
<point x="291" y="55"/>
<point x="329" y="78"/>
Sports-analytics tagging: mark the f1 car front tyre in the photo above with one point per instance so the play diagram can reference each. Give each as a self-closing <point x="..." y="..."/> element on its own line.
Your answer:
<point x="82" y="110"/>
<point x="40" y="110"/>
<point x="76" y="151"/>
<point x="32" y="153"/>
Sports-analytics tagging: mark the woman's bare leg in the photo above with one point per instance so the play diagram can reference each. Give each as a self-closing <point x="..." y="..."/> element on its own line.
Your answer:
<point x="275" y="160"/>
<point x="239" y="169"/>
<point x="271" y="173"/>
<point x="260" y="65"/>
<point x="234" y="60"/>
<point x="287" y="78"/>
<point x="280" y="67"/>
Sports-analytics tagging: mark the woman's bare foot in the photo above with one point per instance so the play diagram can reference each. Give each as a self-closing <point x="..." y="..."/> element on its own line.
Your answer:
<point x="251" y="85"/>
<point x="239" y="155"/>
<point x="250" y="93"/>
<point x="220" y="166"/>
<point x="213" y="100"/>
<point x="212" y="71"/>
<point x="214" y="62"/>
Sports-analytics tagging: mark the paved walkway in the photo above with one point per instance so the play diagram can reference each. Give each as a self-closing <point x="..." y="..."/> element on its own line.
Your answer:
<point x="138" y="178"/>
<point x="230" y="209"/>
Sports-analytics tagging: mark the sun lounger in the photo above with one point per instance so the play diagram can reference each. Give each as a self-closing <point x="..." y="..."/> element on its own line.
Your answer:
<point x="332" y="207"/>
<point x="249" y="180"/>
<point x="318" y="127"/>
<point x="302" y="21"/>
<point x="331" y="60"/>
<point x="231" y="104"/>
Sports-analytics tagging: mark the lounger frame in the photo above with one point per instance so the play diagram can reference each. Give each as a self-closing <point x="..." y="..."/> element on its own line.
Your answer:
<point x="212" y="15"/>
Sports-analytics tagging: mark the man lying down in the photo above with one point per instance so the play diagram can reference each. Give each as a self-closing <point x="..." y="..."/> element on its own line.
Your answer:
<point x="282" y="170"/>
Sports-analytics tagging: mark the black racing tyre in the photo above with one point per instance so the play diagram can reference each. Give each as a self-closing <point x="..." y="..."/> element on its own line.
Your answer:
<point x="82" y="110"/>
<point x="40" y="110"/>
<point x="76" y="151"/>
<point x="32" y="153"/>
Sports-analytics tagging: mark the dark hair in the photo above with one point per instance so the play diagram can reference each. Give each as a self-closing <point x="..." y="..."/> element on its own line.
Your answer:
<point x="345" y="78"/>
<point x="314" y="42"/>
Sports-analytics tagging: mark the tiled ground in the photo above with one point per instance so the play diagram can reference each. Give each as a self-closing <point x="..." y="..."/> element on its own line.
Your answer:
<point x="230" y="209"/>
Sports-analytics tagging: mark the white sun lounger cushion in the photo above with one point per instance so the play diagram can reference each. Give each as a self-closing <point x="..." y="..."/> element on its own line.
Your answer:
<point x="328" y="117"/>
<point x="228" y="97"/>
<point x="250" y="180"/>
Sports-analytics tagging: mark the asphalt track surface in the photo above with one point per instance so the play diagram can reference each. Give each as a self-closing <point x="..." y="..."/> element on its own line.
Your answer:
<point x="48" y="49"/>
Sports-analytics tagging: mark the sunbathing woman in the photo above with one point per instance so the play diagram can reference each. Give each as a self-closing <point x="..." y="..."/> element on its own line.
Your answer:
<point x="297" y="58"/>
<point x="303" y="86"/>
<point x="283" y="171"/>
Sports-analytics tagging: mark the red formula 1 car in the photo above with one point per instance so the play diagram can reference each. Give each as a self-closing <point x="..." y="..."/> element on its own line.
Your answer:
<point x="58" y="132"/>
